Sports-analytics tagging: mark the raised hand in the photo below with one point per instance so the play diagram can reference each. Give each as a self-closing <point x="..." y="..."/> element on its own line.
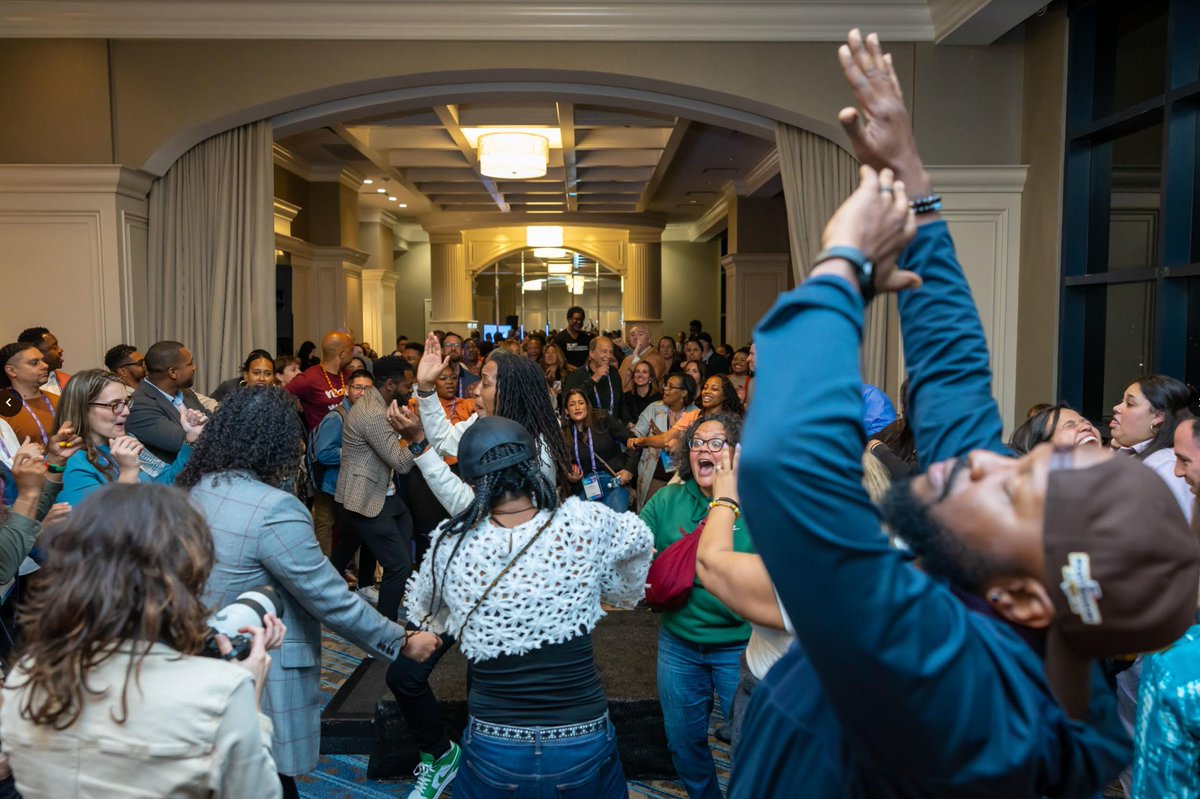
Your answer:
<point x="875" y="219"/>
<point x="64" y="443"/>
<point x="880" y="131"/>
<point x="193" y="423"/>
<point x="57" y="514"/>
<point x="725" y="479"/>
<point x="28" y="470"/>
<point x="431" y="364"/>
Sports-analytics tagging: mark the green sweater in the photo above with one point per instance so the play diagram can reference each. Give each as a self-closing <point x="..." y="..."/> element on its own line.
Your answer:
<point x="670" y="514"/>
<point x="19" y="533"/>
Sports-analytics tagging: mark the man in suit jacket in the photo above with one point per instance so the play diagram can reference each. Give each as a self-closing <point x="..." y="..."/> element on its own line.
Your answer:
<point x="154" y="417"/>
<point x="368" y="505"/>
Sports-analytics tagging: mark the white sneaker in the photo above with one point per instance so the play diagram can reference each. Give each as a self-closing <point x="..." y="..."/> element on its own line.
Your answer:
<point x="370" y="593"/>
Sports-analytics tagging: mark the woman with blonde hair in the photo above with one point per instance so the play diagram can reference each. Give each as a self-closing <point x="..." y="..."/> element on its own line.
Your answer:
<point x="110" y="697"/>
<point x="96" y="405"/>
<point x="555" y="367"/>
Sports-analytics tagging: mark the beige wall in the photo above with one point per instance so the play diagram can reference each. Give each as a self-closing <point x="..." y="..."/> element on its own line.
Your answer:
<point x="967" y="104"/>
<point x="168" y="95"/>
<point x="691" y="275"/>
<point x="55" y="101"/>
<point x="294" y="189"/>
<point x="412" y="289"/>
<point x="1043" y="134"/>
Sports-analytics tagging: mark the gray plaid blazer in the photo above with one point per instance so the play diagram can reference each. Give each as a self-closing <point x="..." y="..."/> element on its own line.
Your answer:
<point x="264" y="536"/>
<point x="370" y="453"/>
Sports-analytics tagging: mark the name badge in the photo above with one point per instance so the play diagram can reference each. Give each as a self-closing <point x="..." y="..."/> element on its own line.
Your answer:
<point x="667" y="461"/>
<point x="591" y="487"/>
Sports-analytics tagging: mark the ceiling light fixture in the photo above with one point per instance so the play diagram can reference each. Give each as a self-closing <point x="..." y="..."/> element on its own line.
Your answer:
<point x="381" y="191"/>
<point x="544" y="236"/>
<point x="403" y="205"/>
<point x="513" y="156"/>
<point x="560" y="268"/>
<point x="391" y="199"/>
<point x="367" y="181"/>
<point x="549" y="253"/>
<point x="533" y="285"/>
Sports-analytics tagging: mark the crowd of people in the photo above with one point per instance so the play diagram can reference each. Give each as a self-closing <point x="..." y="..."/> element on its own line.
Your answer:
<point x="882" y="600"/>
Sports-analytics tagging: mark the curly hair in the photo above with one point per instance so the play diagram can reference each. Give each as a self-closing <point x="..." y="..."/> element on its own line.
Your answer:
<point x="255" y="430"/>
<point x="524" y="478"/>
<point x="732" y="422"/>
<point x="74" y="407"/>
<point x="127" y="566"/>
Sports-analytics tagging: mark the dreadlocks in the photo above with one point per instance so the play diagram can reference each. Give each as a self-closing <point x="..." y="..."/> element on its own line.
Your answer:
<point x="521" y="478"/>
<point x="521" y="396"/>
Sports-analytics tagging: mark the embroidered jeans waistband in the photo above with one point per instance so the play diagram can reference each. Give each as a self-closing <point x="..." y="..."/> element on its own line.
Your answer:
<point x="534" y="734"/>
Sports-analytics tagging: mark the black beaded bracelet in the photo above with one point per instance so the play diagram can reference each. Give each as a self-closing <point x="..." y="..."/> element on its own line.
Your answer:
<point x="926" y="205"/>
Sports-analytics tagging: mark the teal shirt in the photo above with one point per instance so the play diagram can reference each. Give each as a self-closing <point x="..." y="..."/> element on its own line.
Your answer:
<point x="1166" y="762"/>
<point x="671" y="514"/>
<point x="82" y="478"/>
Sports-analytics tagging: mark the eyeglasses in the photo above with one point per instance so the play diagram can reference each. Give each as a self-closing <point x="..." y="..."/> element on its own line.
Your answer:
<point x="710" y="444"/>
<point x="127" y="364"/>
<point x="449" y="346"/>
<point x="116" y="406"/>
<point x="672" y="387"/>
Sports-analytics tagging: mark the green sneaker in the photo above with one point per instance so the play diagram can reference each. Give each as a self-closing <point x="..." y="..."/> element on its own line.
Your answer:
<point x="434" y="775"/>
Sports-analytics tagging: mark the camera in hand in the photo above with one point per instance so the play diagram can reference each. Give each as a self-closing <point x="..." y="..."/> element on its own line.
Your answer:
<point x="248" y="610"/>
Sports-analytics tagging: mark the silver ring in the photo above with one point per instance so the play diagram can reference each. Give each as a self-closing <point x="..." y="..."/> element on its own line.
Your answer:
<point x="885" y="189"/>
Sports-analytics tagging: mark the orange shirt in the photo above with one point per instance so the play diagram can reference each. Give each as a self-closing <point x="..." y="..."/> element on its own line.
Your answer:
<point x="36" y="412"/>
<point x="457" y="410"/>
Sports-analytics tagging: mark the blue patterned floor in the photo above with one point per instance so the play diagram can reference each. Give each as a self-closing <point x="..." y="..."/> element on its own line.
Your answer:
<point x="345" y="776"/>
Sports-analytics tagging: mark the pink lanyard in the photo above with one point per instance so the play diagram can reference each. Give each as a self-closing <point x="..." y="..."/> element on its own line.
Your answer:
<point x="37" y="421"/>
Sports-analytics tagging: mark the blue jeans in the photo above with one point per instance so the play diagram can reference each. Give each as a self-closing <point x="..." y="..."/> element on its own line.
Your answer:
<point x="688" y="674"/>
<point x="585" y="767"/>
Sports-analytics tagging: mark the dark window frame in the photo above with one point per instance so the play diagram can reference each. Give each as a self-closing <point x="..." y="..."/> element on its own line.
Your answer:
<point x="1087" y="192"/>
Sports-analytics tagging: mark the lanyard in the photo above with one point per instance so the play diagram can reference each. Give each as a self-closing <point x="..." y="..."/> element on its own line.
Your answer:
<point x="612" y="396"/>
<point x="4" y="447"/>
<point x="591" y="448"/>
<point x="37" y="421"/>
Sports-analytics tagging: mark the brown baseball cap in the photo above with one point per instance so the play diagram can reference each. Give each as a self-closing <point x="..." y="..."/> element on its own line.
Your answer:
<point x="1122" y="567"/>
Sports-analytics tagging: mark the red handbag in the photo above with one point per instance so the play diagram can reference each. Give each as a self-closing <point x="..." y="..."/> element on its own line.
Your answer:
<point x="673" y="573"/>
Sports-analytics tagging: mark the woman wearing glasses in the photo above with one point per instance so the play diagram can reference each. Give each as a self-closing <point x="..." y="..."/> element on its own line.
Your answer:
<point x="96" y="405"/>
<point x="700" y="644"/>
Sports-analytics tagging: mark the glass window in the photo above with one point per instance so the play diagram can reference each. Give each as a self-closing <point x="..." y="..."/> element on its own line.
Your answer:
<point x="1131" y="54"/>
<point x="1134" y="193"/>
<point x="1128" y="330"/>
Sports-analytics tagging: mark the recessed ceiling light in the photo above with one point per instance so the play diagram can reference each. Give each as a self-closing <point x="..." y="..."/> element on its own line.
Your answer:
<point x="367" y="181"/>
<point x="381" y="191"/>
<point x="391" y="199"/>
<point x="403" y="205"/>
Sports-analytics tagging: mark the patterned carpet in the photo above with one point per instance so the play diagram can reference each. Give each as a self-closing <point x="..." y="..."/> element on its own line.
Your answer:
<point x="345" y="776"/>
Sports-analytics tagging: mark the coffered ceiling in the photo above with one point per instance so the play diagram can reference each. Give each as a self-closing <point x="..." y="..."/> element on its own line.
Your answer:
<point x="653" y="169"/>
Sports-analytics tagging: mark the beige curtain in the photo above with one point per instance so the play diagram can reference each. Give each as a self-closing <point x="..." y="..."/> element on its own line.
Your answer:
<point x="212" y="245"/>
<point x="818" y="176"/>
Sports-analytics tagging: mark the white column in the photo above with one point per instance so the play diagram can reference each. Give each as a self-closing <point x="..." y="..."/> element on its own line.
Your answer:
<point x="73" y="254"/>
<point x="752" y="283"/>
<point x="379" y="309"/>
<point x="327" y="288"/>
<point x="450" y="285"/>
<point x="641" y="299"/>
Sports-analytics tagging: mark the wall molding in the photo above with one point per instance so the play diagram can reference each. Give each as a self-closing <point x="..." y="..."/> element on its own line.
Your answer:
<point x="75" y="179"/>
<point x="466" y="20"/>
<point x="1004" y="179"/>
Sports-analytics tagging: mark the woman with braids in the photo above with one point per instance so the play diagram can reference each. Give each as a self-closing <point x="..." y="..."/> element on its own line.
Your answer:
<point x="263" y="535"/>
<point x="518" y="579"/>
<point x="511" y="387"/>
<point x="96" y="405"/>
<point x="110" y="697"/>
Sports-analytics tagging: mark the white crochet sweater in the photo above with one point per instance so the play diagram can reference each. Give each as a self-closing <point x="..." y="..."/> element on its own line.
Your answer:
<point x="548" y="596"/>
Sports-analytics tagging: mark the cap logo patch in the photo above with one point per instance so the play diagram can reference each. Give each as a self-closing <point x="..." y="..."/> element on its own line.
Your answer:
<point x="1081" y="590"/>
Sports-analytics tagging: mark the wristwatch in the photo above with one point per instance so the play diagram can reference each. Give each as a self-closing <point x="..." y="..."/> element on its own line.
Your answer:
<point x="418" y="447"/>
<point x="864" y="269"/>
